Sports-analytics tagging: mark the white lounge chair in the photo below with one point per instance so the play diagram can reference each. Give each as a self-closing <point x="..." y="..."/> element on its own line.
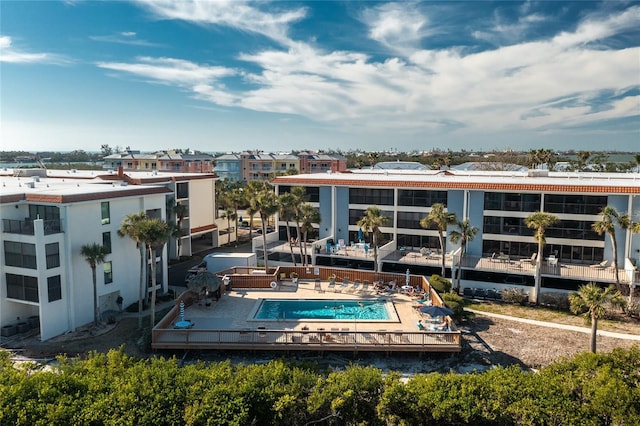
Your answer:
<point x="601" y="265"/>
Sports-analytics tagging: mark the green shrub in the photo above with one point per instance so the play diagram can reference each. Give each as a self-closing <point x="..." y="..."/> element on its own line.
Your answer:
<point x="555" y="300"/>
<point x="441" y="285"/>
<point x="513" y="295"/>
<point x="454" y="302"/>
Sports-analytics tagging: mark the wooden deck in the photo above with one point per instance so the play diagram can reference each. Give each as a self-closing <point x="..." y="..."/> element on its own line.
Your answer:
<point x="229" y="324"/>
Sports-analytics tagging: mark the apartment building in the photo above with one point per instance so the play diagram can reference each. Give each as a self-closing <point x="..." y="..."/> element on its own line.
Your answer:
<point x="497" y="203"/>
<point x="45" y="222"/>
<point x="249" y="166"/>
<point x="162" y="161"/>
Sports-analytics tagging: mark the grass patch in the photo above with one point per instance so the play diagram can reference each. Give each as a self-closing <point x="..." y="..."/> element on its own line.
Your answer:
<point x="619" y="324"/>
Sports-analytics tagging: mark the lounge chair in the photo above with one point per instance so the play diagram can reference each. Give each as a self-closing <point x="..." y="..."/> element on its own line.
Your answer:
<point x="530" y="261"/>
<point x="364" y="288"/>
<point x="332" y="284"/>
<point x="342" y="287"/>
<point x="601" y="265"/>
<point x="354" y="287"/>
<point x="318" y="286"/>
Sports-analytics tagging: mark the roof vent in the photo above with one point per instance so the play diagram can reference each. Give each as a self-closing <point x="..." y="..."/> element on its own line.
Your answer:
<point x="123" y="184"/>
<point x="31" y="184"/>
<point x="36" y="178"/>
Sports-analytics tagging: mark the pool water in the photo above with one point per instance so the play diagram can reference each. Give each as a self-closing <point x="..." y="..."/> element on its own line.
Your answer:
<point x="342" y="310"/>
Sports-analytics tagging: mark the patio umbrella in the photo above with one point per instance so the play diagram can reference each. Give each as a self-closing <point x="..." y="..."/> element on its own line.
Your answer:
<point x="436" y="311"/>
<point x="360" y="234"/>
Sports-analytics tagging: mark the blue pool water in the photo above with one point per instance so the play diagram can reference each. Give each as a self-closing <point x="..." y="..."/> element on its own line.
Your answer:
<point x="342" y="310"/>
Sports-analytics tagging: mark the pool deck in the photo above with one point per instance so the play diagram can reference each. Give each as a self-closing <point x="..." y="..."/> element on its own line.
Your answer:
<point x="228" y="324"/>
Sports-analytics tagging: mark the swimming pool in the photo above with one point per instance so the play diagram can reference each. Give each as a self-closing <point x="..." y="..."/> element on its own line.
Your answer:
<point x="336" y="310"/>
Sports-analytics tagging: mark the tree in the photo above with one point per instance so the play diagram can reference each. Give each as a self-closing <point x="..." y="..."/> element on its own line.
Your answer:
<point x="539" y="222"/>
<point x="373" y="220"/>
<point x="591" y="301"/>
<point x="266" y="203"/>
<point x="286" y="212"/>
<point x="308" y="215"/>
<point x="130" y="227"/>
<point x="94" y="254"/>
<point x="154" y="234"/>
<point x="299" y="198"/>
<point x="609" y="219"/>
<point x="229" y="215"/>
<point x="439" y="218"/>
<point x="464" y="233"/>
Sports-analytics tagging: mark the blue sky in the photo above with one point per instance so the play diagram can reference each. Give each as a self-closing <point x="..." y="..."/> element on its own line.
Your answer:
<point x="231" y="75"/>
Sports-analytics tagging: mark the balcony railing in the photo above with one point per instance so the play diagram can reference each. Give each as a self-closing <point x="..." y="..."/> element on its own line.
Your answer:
<point x="25" y="227"/>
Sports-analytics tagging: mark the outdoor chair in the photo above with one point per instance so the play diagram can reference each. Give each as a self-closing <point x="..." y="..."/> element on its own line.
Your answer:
<point x="530" y="261"/>
<point x="365" y="287"/>
<point x="354" y="287"/>
<point x="343" y="286"/>
<point x="601" y="265"/>
<point x="318" y="286"/>
<point x="332" y="284"/>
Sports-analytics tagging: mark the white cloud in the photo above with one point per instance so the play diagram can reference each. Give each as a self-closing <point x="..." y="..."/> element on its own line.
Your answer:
<point x="125" y="37"/>
<point x="231" y="13"/>
<point x="10" y="54"/>
<point x="398" y="26"/>
<point x="509" y="88"/>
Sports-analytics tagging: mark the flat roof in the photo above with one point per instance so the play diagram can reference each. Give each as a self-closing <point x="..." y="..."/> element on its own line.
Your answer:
<point x="532" y="181"/>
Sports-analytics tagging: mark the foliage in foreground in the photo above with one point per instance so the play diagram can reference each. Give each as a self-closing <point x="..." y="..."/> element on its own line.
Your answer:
<point x="114" y="389"/>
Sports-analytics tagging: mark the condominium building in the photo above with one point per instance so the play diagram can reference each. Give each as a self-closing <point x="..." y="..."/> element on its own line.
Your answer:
<point x="47" y="215"/>
<point x="250" y="166"/>
<point x="497" y="203"/>
<point x="162" y="161"/>
<point x="45" y="223"/>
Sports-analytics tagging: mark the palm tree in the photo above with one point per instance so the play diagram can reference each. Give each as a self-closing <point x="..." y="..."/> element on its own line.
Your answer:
<point x="130" y="227"/>
<point x="308" y="216"/>
<point x="592" y="301"/>
<point x="154" y="234"/>
<point x="235" y="198"/>
<point x="439" y="218"/>
<point x="229" y="215"/>
<point x="299" y="198"/>
<point x="372" y="220"/>
<point x="464" y="233"/>
<point x="286" y="212"/>
<point x="539" y="221"/>
<point x="94" y="254"/>
<point x="609" y="218"/>
<point x="266" y="202"/>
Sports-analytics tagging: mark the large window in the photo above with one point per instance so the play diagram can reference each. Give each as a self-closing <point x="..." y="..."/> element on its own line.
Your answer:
<point x="410" y="220"/>
<point x="356" y="214"/>
<point x="106" y="242"/>
<point x="53" y="255"/>
<point x="312" y="193"/>
<point x="511" y="202"/>
<point x="421" y="198"/>
<point x="182" y="190"/>
<point x="574" y="204"/>
<point x="22" y="255"/>
<point x="108" y="272"/>
<point x="106" y="214"/>
<point x="44" y="212"/>
<point x="22" y="287"/>
<point x="371" y="196"/>
<point x="418" y="241"/>
<point x="54" y="288"/>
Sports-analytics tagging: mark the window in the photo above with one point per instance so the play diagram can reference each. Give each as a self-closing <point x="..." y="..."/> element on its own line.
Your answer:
<point x="22" y="255"/>
<point x="356" y="214"/>
<point x="106" y="214"/>
<point x="53" y="255"/>
<point x="380" y="197"/>
<point x="108" y="273"/>
<point x="421" y="198"/>
<point x="182" y="190"/>
<point x="54" y="288"/>
<point x="106" y="242"/>
<point x="22" y="287"/>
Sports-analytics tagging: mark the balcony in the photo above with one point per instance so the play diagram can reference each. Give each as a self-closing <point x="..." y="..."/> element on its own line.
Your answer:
<point x="25" y="227"/>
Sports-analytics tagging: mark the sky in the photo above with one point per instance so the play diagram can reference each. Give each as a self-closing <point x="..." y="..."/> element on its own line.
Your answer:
<point x="227" y="76"/>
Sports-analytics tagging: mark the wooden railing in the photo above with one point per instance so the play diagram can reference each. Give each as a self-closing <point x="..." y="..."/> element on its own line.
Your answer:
<point x="347" y="340"/>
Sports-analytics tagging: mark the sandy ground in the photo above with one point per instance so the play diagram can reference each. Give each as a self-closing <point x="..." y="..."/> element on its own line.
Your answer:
<point x="487" y="342"/>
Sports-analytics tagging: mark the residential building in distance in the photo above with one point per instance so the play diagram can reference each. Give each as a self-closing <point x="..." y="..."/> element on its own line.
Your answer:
<point x="255" y="165"/>
<point x="162" y="161"/>
<point x="497" y="203"/>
